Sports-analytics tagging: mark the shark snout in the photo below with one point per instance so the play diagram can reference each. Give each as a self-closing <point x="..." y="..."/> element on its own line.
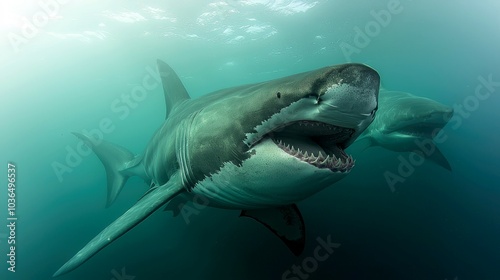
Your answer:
<point x="443" y="115"/>
<point x="360" y="76"/>
<point x="356" y="90"/>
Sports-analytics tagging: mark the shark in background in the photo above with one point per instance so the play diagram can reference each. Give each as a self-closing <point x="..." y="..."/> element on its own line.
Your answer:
<point x="258" y="148"/>
<point x="404" y="120"/>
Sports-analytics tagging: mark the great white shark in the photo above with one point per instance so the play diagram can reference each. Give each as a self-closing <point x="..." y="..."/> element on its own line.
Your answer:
<point x="405" y="123"/>
<point x="259" y="148"/>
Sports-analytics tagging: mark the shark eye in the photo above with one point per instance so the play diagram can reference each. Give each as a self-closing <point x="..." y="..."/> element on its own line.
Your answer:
<point x="318" y="99"/>
<point x="278" y="94"/>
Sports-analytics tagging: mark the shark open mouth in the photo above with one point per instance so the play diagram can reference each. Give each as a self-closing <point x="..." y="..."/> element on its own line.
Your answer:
<point x="421" y="129"/>
<point x="319" y="144"/>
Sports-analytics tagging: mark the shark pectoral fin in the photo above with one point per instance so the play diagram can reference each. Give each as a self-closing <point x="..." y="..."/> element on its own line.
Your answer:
<point x="175" y="205"/>
<point x="119" y="163"/>
<point x="140" y="211"/>
<point x="173" y="89"/>
<point x="437" y="157"/>
<point x="148" y="191"/>
<point x="286" y="222"/>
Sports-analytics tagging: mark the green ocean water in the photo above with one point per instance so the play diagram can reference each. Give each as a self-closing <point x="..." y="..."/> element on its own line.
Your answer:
<point x="75" y="66"/>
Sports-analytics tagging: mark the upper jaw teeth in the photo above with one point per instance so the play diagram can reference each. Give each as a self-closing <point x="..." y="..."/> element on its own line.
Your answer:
<point x="330" y="161"/>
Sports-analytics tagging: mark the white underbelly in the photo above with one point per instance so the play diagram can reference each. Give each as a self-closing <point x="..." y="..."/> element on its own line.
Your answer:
<point x="268" y="178"/>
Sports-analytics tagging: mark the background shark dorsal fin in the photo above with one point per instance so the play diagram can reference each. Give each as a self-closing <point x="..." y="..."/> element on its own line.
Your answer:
<point x="286" y="222"/>
<point x="173" y="89"/>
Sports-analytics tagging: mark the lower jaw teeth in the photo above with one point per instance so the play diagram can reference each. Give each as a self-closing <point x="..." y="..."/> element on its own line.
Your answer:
<point x="330" y="161"/>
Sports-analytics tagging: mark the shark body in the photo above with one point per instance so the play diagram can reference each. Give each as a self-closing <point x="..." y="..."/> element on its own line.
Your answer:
<point x="404" y="122"/>
<point x="259" y="148"/>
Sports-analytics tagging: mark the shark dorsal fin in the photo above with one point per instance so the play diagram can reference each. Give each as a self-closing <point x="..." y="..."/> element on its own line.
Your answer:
<point x="173" y="89"/>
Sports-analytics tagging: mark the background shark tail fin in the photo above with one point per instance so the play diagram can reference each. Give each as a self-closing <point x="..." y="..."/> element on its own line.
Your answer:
<point x="119" y="163"/>
<point x="173" y="89"/>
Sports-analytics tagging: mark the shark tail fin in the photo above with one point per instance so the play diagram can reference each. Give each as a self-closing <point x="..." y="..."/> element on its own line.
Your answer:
<point x="173" y="89"/>
<point x="120" y="164"/>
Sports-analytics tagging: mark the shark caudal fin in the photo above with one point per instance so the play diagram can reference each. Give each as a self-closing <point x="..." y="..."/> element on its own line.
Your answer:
<point x="173" y="89"/>
<point x="120" y="164"/>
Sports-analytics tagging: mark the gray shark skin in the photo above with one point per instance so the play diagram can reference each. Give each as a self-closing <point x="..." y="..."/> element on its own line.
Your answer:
<point x="404" y="120"/>
<point x="259" y="148"/>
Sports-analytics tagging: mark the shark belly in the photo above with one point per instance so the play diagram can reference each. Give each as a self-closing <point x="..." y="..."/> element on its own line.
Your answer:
<point x="268" y="178"/>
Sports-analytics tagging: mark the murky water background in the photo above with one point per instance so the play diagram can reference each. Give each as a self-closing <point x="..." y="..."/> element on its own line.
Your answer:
<point x="69" y="66"/>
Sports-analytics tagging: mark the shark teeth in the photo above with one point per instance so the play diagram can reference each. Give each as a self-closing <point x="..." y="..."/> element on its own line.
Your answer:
<point x="332" y="162"/>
